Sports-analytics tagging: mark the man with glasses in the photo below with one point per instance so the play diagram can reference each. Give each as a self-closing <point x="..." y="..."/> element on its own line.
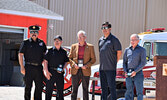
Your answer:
<point x="134" y="60"/>
<point x="82" y="57"/>
<point x="110" y="52"/>
<point x="33" y="50"/>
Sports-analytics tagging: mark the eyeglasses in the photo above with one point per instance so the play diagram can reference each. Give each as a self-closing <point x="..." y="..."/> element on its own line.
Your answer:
<point x="33" y="32"/>
<point x="82" y="36"/>
<point x="104" y="28"/>
<point x="133" y="40"/>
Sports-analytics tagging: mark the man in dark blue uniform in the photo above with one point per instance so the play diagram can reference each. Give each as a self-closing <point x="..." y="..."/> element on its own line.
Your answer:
<point x="33" y="50"/>
<point x="55" y="60"/>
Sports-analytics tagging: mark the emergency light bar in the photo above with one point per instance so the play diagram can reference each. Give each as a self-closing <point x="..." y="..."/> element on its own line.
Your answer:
<point x="156" y="30"/>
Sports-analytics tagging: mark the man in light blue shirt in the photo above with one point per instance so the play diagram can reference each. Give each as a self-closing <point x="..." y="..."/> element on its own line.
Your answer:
<point x="134" y="60"/>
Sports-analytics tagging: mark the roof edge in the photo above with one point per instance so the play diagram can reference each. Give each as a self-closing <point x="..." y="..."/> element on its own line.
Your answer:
<point x="31" y="14"/>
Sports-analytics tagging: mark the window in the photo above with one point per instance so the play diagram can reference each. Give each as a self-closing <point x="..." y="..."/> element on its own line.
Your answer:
<point x="147" y="46"/>
<point x="160" y="48"/>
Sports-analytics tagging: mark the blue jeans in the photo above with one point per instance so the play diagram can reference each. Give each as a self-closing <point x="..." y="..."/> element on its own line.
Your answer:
<point x="107" y="79"/>
<point x="138" y="82"/>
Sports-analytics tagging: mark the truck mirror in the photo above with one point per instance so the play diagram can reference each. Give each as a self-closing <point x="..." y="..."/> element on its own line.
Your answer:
<point x="151" y="58"/>
<point x="147" y="58"/>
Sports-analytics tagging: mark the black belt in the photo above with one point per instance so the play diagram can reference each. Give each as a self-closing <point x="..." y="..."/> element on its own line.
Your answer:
<point x="53" y="68"/>
<point x="34" y="64"/>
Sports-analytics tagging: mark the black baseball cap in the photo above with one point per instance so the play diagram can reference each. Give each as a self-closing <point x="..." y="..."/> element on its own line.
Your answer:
<point x="58" y="37"/>
<point x="107" y="23"/>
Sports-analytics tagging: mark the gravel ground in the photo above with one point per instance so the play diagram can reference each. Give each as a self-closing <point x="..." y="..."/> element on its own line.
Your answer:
<point x="17" y="93"/>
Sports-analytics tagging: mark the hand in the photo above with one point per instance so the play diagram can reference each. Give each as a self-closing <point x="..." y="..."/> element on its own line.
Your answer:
<point x="76" y="67"/>
<point x="126" y="75"/>
<point x="59" y="72"/>
<point x="23" y="70"/>
<point x="133" y="74"/>
<point x="48" y="75"/>
<point x="83" y="67"/>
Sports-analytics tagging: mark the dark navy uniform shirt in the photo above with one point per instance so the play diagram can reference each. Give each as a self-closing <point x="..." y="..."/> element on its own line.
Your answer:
<point x="33" y="50"/>
<point x="56" y="57"/>
<point x="108" y="52"/>
<point x="135" y="59"/>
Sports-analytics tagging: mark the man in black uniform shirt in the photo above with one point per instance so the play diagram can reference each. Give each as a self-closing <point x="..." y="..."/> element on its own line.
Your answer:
<point x="33" y="50"/>
<point x="55" y="60"/>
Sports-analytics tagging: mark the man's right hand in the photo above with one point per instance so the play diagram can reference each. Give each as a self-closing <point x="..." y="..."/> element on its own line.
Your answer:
<point x="126" y="75"/>
<point x="48" y="75"/>
<point x="23" y="70"/>
<point x="76" y="67"/>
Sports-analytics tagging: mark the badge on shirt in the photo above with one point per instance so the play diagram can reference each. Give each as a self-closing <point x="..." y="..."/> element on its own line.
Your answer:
<point x="60" y="68"/>
<point x="80" y="63"/>
<point x="41" y="43"/>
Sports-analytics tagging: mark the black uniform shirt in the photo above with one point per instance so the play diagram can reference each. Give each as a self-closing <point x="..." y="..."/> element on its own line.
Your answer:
<point x="108" y="52"/>
<point x="33" y="51"/>
<point x="56" y="57"/>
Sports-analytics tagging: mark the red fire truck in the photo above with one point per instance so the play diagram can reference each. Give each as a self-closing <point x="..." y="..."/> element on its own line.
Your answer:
<point x="155" y="43"/>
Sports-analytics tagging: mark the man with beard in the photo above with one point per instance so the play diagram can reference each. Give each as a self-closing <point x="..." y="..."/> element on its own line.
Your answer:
<point x="33" y="50"/>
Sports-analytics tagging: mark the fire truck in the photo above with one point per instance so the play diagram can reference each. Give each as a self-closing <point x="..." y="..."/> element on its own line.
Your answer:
<point x="155" y="43"/>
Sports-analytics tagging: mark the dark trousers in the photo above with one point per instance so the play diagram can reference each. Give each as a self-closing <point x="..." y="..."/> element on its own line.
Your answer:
<point x="57" y="78"/>
<point x="33" y="73"/>
<point x="107" y="79"/>
<point x="75" y="84"/>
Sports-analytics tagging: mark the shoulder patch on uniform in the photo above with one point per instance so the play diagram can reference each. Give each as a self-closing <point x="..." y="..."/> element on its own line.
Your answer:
<point x="25" y="39"/>
<point x="41" y="44"/>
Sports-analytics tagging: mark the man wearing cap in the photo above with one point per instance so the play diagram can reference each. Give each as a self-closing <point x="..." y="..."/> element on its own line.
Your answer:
<point x="55" y="60"/>
<point x="82" y="57"/>
<point x="33" y="50"/>
<point x="110" y="52"/>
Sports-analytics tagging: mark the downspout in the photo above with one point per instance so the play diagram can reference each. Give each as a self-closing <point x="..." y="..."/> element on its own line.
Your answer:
<point x="48" y="23"/>
<point x="145" y="21"/>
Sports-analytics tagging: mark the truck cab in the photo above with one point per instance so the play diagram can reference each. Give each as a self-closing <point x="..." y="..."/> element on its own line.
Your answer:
<point x="155" y="43"/>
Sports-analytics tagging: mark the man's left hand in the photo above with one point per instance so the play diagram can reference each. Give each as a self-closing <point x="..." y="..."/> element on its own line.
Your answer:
<point x="83" y="67"/>
<point x="59" y="72"/>
<point x="133" y="74"/>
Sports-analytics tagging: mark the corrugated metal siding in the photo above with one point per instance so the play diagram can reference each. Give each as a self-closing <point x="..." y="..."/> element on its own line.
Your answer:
<point x="157" y="14"/>
<point x="43" y="3"/>
<point x="126" y="16"/>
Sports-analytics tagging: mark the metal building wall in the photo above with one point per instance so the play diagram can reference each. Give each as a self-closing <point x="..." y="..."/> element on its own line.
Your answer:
<point x="126" y="16"/>
<point x="156" y="14"/>
<point x="43" y="3"/>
